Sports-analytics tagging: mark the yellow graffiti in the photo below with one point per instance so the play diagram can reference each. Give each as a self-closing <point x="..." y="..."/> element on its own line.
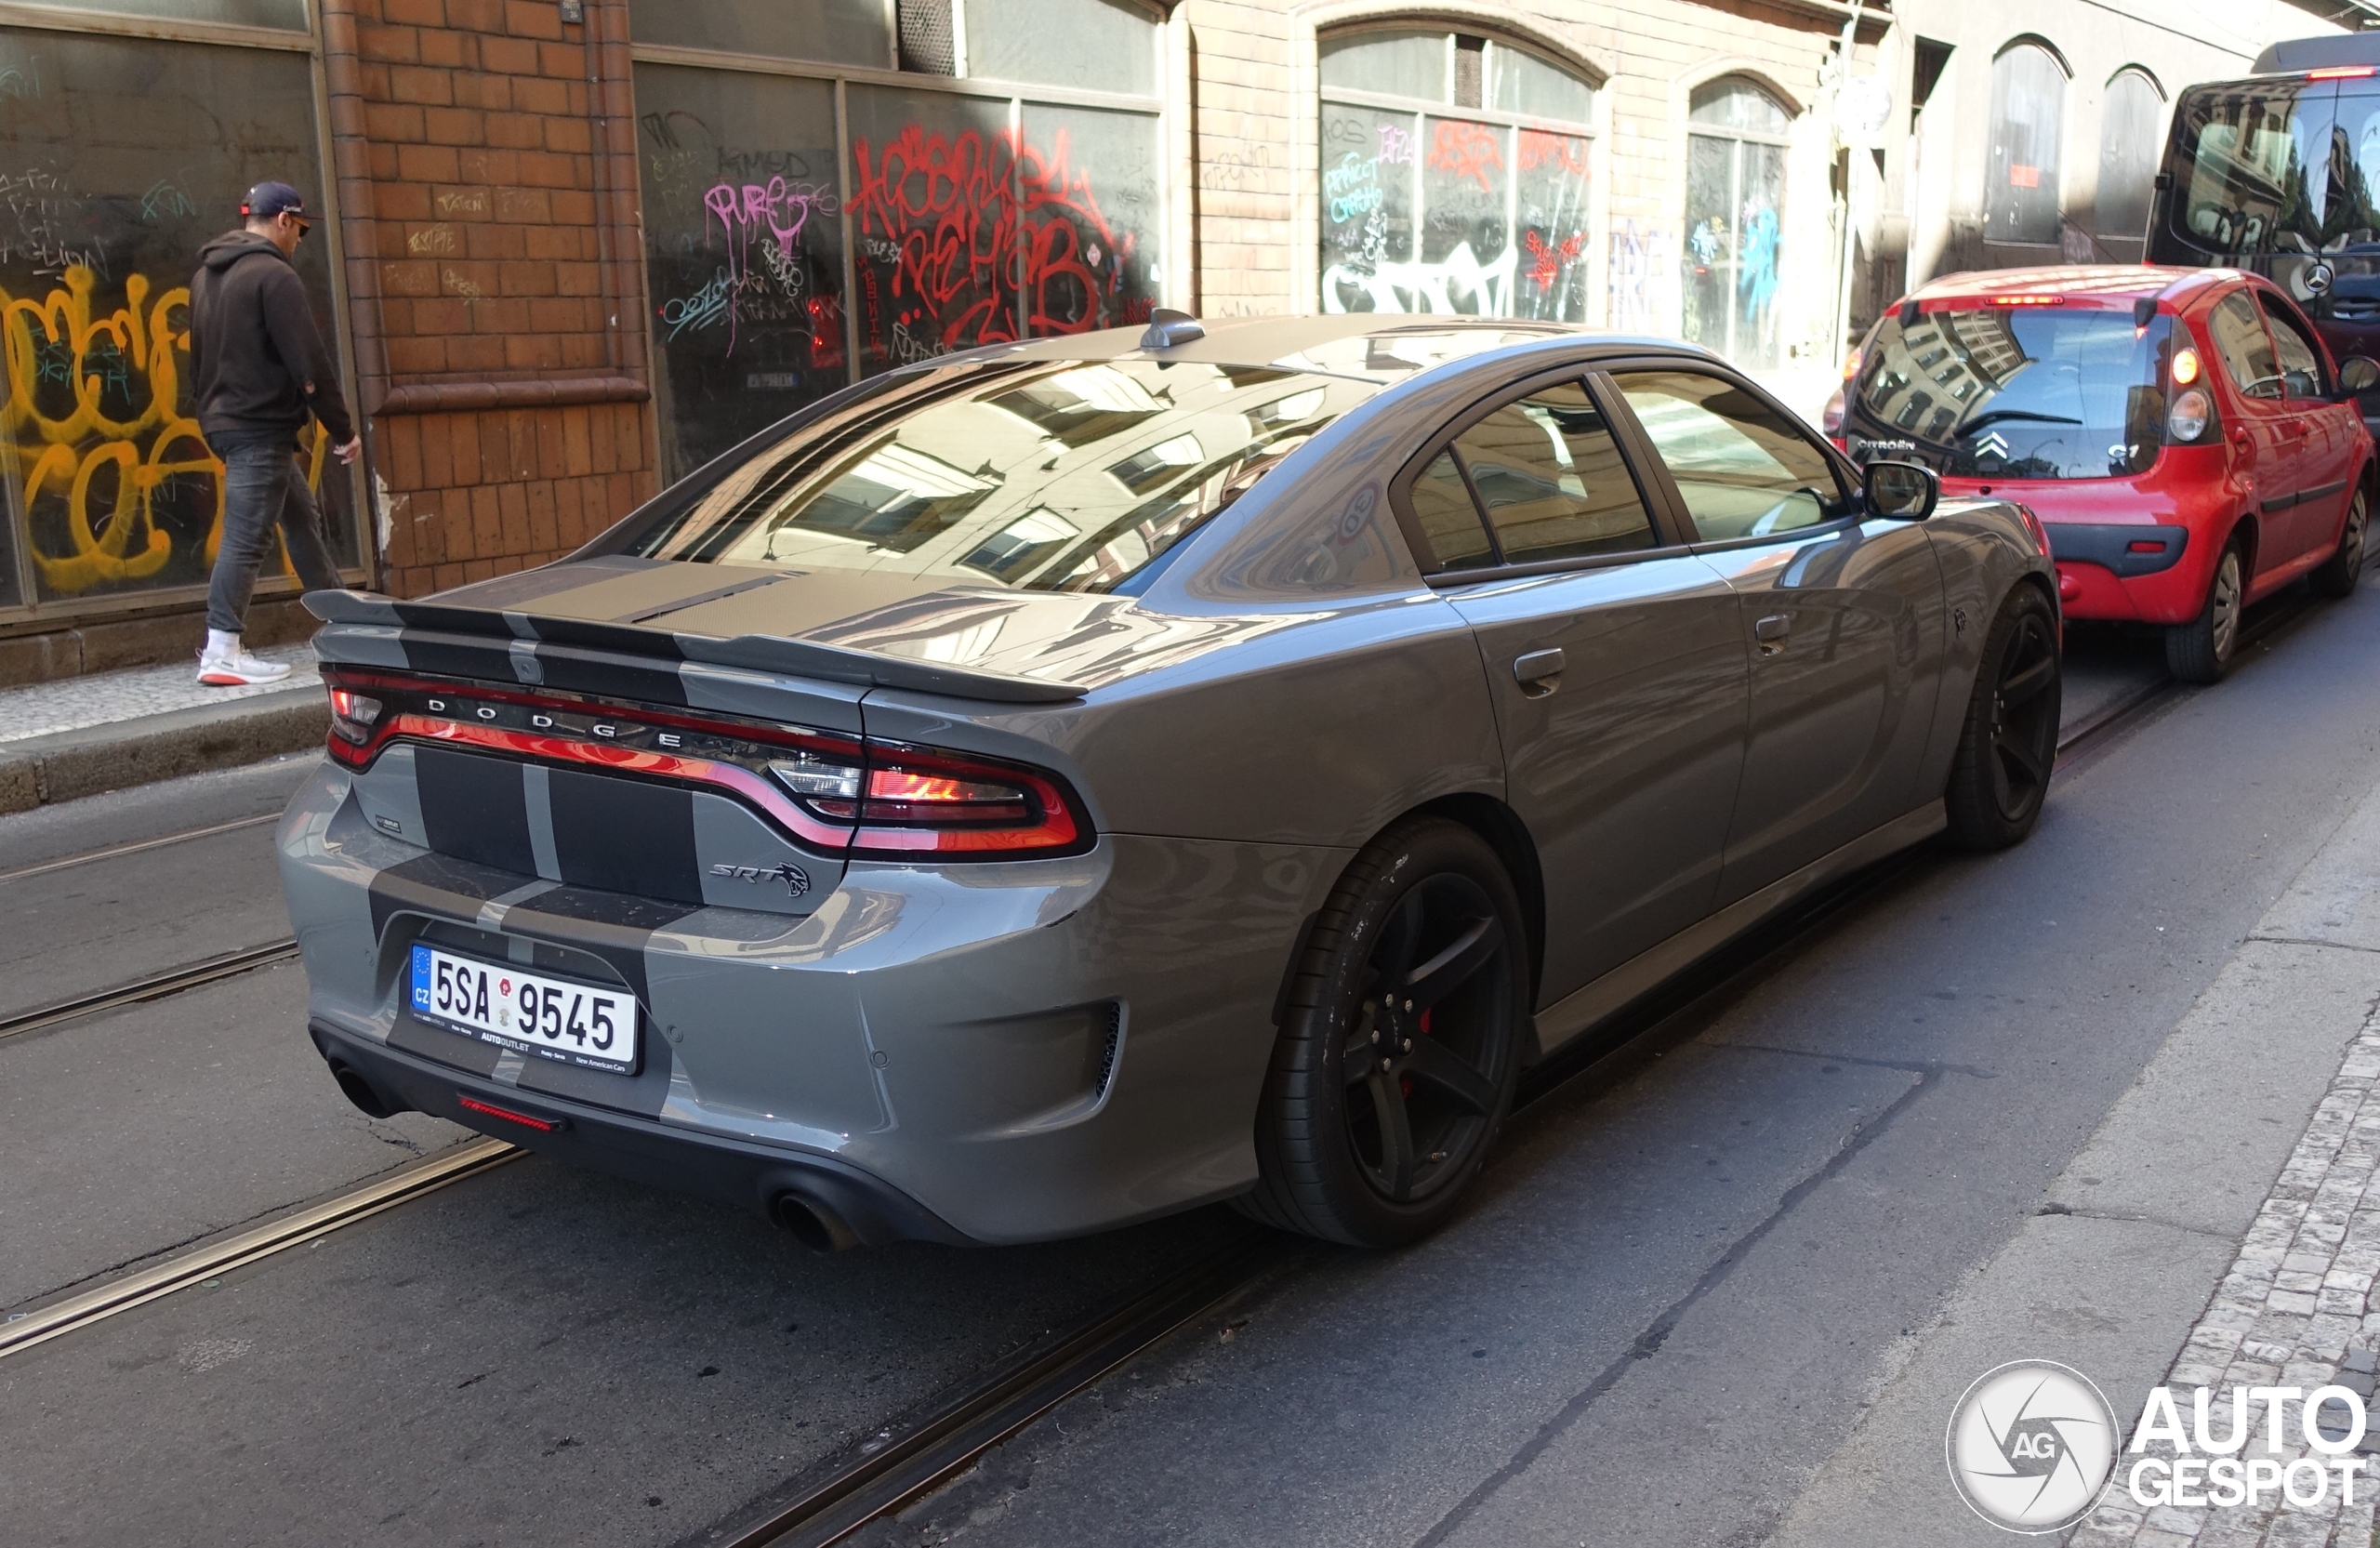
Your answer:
<point x="56" y="343"/>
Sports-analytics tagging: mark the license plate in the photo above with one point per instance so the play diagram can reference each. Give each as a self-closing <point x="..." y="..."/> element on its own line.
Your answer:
<point x="496" y="1002"/>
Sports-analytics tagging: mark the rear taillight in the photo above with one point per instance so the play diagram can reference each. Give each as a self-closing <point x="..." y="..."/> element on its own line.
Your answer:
<point x="352" y="716"/>
<point x="2188" y="419"/>
<point x="1830" y="420"/>
<point x="831" y="792"/>
<point x="925" y="801"/>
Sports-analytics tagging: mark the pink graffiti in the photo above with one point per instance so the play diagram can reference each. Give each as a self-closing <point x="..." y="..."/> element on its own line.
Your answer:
<point x="1395" y="145"/>
<point x="774" y="211"/>
<point x="976" y="218"/>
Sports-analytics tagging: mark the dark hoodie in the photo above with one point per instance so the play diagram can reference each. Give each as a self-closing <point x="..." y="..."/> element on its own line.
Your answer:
<point x="257" y="361"/>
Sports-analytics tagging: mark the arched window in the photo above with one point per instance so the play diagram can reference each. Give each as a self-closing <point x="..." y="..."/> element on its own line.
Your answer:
<point x="1735" y="198"/>
<point x="1454" y="177"/>
<point x="2028" y="126"/>
<point x="2129" y="120"/>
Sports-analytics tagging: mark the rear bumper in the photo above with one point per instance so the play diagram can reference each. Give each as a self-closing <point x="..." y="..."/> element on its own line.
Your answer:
<point x="641" y="1150"/>
<point x="996" y="1052"/>
<point x="2131" y="572"/>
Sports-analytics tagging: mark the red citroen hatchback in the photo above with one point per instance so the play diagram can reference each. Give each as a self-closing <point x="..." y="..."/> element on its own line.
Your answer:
<point x="2181" y="433"/>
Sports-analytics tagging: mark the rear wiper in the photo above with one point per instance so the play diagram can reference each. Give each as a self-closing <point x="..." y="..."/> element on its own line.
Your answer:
<point x="1982" y="419"/>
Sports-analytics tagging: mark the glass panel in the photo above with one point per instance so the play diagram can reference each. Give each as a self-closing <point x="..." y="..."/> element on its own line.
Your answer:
<point x="1094" y="228"/>
<point x="1742" y="468"/>
<point x="105" y="211"/>
<point x="934" y="224"/>
<point x="2001" y="393"/>
<point x="1732" y="103"/>
<point x="289" y="14"/>
<point x="1466" y="230"/>
<point x="1550" y="473"/>
<point x="1762" y="193"/>
<point x="1074" y="477"/>
<point x="2128" y="147"/>
<point x="1443" y="506"/>
<point x="2243" y="347"/>
<point x="1526" y="84"/>
<point x="1110" y="45"/>
<point x="2027" y="117"/>
<point x="743" y="245"/>
<point x="2355" y="220"/>
<point x="1709" y="251"/>
<point x="1552" y="193"/>
<point x="1400" y="64"/>
<point x="2301" y="363"/>
<point x="837" y="32"/>
<point x="2249" y="190"/>
<point x="1367" y="163"/>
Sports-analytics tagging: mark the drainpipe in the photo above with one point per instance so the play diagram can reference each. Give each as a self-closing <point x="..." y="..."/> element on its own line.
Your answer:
<point x="1836" y="343"/>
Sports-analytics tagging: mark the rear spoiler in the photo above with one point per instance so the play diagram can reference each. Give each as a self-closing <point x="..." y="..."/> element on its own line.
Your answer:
<point x="367" y="629"/>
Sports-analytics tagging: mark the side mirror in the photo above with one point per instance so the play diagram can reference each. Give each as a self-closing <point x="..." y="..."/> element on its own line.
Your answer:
<point x="1906" y="491"/>
<point x="2359" y="374"/>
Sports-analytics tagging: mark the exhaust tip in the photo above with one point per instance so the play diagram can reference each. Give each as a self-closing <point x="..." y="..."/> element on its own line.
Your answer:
<point x="812" y="1225"/>
<point x="365" y="1095"/>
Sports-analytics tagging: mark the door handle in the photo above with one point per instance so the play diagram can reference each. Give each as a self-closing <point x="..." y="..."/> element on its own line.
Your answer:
<point x="1771" y="632"/>
<point x="1537" y="671"/>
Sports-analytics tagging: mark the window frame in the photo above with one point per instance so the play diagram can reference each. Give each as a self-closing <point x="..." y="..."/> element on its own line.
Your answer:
<point x="1584" y="371"/>
<point x="2165" y="101"/>
<point x="2245" y="391"/>
<point x="1509" y="124"/>
<point x="1735" y="139"/>
<point x="1995" y="186"/>
<point x="1681" y="519"/>
<point x="2279" y="314"/>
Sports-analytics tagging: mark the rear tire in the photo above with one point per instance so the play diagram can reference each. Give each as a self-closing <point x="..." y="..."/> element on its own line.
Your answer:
<point x="2200" y="651"/>
<point x="1381" y="1105"/>
<point x="1999" y="775"/>
<point x="2345" y="567"/>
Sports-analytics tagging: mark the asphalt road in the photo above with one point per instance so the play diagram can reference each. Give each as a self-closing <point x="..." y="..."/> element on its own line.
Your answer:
<point x="1685" y="1270"/>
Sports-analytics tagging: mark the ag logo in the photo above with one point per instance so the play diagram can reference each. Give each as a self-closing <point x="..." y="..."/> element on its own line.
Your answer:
<point x="2031" y="1447"/>
<point x="1993" y="444"/>
<point x="2316" y="278"/>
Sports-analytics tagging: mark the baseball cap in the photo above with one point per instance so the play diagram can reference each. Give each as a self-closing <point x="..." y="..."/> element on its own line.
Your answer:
<point x="269" y="199"/>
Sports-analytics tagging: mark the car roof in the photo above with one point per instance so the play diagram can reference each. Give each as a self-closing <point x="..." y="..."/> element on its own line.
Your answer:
<point x="1381" y="347"/>
<point x="2111" y="286"/>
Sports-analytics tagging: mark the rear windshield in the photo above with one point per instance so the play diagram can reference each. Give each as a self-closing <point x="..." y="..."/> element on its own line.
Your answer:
<point x="2286" y="165"/>
<point x="1068" y="477"/>
<point x="2012" y="392"/>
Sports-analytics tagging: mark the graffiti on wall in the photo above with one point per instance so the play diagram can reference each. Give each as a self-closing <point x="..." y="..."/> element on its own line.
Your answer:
<point x="95" y="442"/>
<point x="1640" y="263"/>
<point x="980" y="237"/>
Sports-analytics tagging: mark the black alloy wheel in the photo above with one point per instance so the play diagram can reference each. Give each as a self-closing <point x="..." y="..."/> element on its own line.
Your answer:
<point x="1400" y="1042"/>
<point x="1999" y="775"/>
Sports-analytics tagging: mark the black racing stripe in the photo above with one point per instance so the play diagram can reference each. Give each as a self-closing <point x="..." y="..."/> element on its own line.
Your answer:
<point x="460" y="655"/>
<point x="439" y="884"/>
<point x="624" y="835"/>
<point x="475" y="809"/>
<point x="607" y="675"/>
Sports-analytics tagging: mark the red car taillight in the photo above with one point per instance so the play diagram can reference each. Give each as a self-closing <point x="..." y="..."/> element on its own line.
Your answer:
<point x="866" y="796"/>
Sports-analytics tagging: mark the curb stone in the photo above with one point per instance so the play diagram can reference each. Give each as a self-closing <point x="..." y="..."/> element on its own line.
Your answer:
<point x="66" y="765"/>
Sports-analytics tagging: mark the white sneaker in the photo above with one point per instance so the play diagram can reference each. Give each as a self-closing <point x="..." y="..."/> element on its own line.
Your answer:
<point x="222" y="666"/>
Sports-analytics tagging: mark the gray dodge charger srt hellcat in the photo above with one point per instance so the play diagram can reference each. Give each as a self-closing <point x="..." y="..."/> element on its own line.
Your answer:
<point x="1081" y="779"/>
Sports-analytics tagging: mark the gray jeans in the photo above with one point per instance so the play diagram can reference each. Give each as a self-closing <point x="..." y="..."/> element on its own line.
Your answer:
<point x="262" y="490"/>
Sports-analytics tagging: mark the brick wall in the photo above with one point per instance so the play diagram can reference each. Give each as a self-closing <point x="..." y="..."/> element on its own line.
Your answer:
<point x="487" y="190"/>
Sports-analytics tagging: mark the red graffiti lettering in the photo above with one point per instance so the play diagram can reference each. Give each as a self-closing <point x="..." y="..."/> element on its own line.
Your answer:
<point x="1539" y="148"/>
<point x="1546" y="262"/>
<point x="1467" y="150"/>
<point x="970" y="225"/>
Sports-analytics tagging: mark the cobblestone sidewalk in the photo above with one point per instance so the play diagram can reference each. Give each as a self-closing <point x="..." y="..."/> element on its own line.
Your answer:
<point x="2294" y="1310"/>
<point x="76" y="703"/>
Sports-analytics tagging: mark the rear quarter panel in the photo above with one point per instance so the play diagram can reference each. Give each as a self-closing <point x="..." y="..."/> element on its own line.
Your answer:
<point x="1984" y="550"/>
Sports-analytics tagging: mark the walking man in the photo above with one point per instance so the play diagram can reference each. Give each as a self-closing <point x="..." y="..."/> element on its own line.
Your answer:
<point x="259" y="371"/>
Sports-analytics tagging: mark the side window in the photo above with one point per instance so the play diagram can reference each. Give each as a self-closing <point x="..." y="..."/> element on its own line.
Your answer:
<point x="2246" y="350"/>
<point x="1743" y="468"/>
<point x="2301" y="363"/>
<point x="1442" y="503"/>
<point x="1551" y="475"/>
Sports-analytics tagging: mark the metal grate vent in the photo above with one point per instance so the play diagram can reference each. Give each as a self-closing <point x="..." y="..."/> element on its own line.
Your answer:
<point x="1107" y="1055"/>
<point x="929" y="43"/>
